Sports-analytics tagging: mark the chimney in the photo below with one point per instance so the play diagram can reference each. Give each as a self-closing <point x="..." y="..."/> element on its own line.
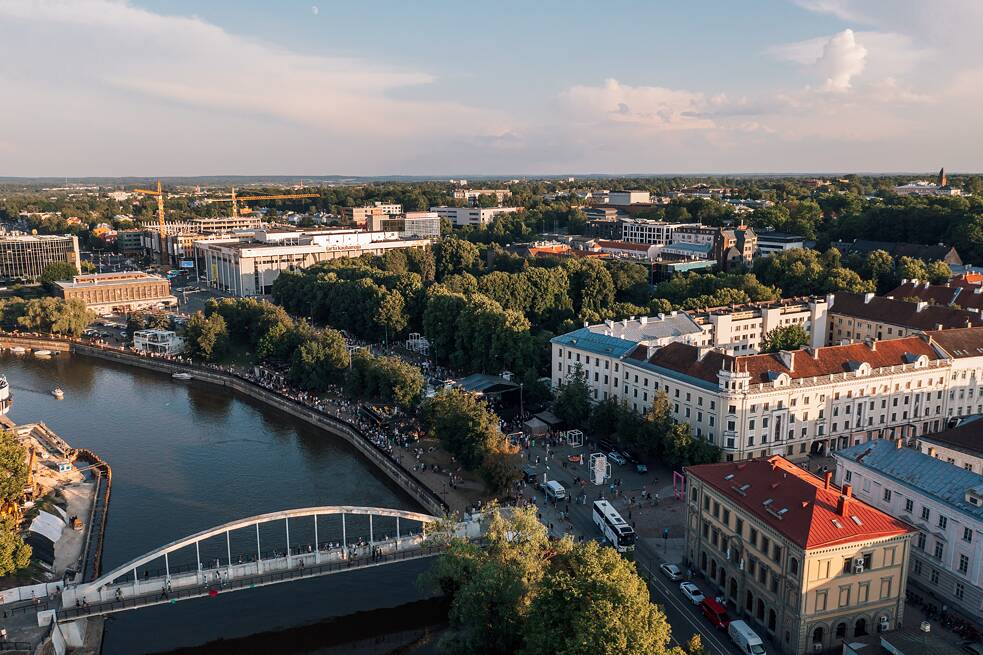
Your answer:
<point x="643" y="320"/>
<point x="788" y="359"/>
<point x="920" y="306"/>
<point x="868" y="297"/>
<point x="827" y="478"/>
<point x="848" y="490"/>
<point x="843" y="505"/>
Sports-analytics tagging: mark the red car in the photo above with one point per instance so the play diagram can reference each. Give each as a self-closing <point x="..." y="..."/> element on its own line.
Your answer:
<point x="716" y="612"/>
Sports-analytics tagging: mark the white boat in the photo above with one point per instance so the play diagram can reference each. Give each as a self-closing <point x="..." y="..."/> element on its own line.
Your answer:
<point x="181" y="376"/>
<point x="18" y="350"/>
<point x="42" y="353"/>
<point x="58" y="393"/>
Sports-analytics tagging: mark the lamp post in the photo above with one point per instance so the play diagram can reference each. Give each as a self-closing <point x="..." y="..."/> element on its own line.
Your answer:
<point x="522" y="411"/>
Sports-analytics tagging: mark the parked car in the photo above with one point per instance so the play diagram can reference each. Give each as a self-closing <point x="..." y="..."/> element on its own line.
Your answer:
<point x="671" y="571"/>
<point x="692" y="592"/>
<point x="715" y="612"/>
<point x="747" y="640"/>
<point x="617" y="458"/>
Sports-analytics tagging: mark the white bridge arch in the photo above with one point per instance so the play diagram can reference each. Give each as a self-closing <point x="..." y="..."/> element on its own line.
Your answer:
<point x="122" y="589"/>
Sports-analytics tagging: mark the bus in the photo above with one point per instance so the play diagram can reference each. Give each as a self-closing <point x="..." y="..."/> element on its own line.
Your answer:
<point x="615" y="529"/>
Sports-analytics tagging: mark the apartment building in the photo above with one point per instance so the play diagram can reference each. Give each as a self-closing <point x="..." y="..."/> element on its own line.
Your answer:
<point x="942" y="501"/>
<point x="643" y="230"/>
<point x="806" y="564"/>
<point x="859" y="316"/>
<point x="729" y="247"/>
<point x="359" y="216"/>
<point x="24" y="257"/>
<point x="472" y="195"/>
<point x="814" y="400"/>
<point x="249" y="266"/>
<point x="771" y="242"/>
<point x="961" y="446"/>
<point x="473" y="216"/>
<point x="742" y="329"/>
<point x="964" y="348"/>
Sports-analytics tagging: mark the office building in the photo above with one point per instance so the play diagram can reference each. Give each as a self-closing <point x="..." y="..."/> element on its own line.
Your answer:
<point x="808" y="565"/>
<point x="359" y="216"/>
<point x="249" y="266"/>
<point x="424" y="225"/>
<point x="118" y="292"/>
<point x="859" y="316"/>
<point x="130" y="241"/>
<point x="471" y="216"/>
<point x="771" y="242"/>
<point x="729" y="247"/>
<point x="642" y="230"/>
<point x="604" y="222"/>
<point x="24" y="257"/>
<point x="473" y="195"/>
<point x="942" y="501"/>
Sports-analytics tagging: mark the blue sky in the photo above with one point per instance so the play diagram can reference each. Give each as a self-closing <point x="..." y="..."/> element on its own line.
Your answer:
<point x="153" y="87"/>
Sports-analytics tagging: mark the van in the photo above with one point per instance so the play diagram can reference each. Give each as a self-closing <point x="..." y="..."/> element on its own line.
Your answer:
<point x="529" y="474"/>
<point x="555" y="490"/>
<point x="747" y="640"/>
<point x="715" y="612"/>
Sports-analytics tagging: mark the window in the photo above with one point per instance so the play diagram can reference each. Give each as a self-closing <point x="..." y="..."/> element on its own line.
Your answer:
<point x="968" y="534"/>
<point x="793" y="566"/>
<point x="939" y="547"/>
<point x="887" y="495"/>
<point x="849" y="476"/>
<point x="726" y="517"/>
<point x="754" y="537"/>
<point x="844" y="596"/>
<point x="960" y="590"/>
<point x="863" y="593"/>
<point x="963" y="564"/>
<point x="918" y="567"/>
<point x="886" y="588"/>
<point x="920" y="541"/>
<point x="820" y="601"/>
<point x="739" y="527"/>
<point x="925" y="513"/>
<point x="942" y="521"/>
<point x="909" y="505"/>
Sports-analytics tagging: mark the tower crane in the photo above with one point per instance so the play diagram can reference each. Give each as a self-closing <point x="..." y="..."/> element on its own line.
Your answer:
<point x="235" y="200"/>
<point x="161" y="226"/>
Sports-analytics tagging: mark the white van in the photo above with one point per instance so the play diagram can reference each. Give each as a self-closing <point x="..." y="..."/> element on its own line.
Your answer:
<point x="746" y="639"/>
<point x="555" y="490"/>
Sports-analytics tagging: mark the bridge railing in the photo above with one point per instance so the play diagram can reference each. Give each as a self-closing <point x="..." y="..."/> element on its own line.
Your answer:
<point x="245" y="582"/>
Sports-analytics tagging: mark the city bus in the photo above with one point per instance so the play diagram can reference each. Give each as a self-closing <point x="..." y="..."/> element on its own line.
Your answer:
<point x="615" y="529"/>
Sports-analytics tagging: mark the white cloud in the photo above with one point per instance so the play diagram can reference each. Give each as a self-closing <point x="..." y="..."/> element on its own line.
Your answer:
<point x="841" y="60"/>
<point x="649" y="106"/>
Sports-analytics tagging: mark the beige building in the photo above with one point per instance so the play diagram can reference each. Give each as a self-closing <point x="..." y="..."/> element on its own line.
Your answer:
<point x="806" y="564"/>
<point x="857" y="316"/>
<point x="472" y="195"/>
<point x="360" y="216"/>
<point x="118" y="292"/>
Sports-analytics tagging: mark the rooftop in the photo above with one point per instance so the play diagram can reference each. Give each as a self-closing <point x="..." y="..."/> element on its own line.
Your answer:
<point x="941" y="480"/>
<point x="109" y="279"/>
<point x="897" y="249"/>
<point x="959" y="343"/>
<point x="894" y="311"/>
<point x="967" y="438"/>
<point x="797" y="504"/>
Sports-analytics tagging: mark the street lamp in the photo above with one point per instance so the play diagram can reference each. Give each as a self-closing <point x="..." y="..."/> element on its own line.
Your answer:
<point x="522" y="411"/>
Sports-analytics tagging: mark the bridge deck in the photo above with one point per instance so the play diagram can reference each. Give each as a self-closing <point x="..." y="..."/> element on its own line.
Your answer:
<point x="297" y="568"/>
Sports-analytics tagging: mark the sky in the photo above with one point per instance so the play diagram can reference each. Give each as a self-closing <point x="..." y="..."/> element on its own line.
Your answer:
<point x="390" y="87"/>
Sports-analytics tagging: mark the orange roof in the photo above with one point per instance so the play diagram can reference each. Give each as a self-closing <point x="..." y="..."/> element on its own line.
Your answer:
<point x="796" y="503"/>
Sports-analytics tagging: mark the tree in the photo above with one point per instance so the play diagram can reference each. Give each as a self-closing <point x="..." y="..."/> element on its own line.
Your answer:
<point x="206" y="338"/>
<point x="592" y="600"/>
<point x="13" y="468"/>
<point x="938" y="272"/>
<point x="57" y="272"/>
<point x="591" y="288"/>
<point x="454" y="256"/>
<point x="389" y="379"/>
<point x="14" y="553"/>
<point x="316" y="362"/>
<point x="464" y="424"/>
<point x="55" y="315"/>
<point x="785" y="337"/>
<point x="879" y="266"/>
<point x="572" y="402"/>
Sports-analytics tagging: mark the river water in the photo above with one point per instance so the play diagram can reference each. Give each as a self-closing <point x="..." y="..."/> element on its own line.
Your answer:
<point x="190" y="456"/>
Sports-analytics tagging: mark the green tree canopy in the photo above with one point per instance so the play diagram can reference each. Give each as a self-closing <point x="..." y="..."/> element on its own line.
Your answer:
<point x="206" y="338"/>
<point x="572" y="402"/>
<point x="464" y="424"/>
<point x="57" y="272"/>
<point x="785" y="337"/>
<point x="317" y="361"/>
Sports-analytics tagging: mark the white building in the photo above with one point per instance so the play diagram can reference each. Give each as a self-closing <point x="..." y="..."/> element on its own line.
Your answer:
<point x="249" y="266"/>
<point x="629" y="197"/>
<point x="771" y="242"/>
<point x="474" y="216"/>
<point x="945" y="503"/>
<point x="641" y="230"/>
<point x="424" y="225"/>
<point x="960" y="446"/>
<point x="474" y="194"/>
<point x="158" y="342"/>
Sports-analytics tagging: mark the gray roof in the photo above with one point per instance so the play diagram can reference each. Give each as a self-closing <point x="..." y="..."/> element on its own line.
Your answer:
<point x="942" y="481"/>
<point x="617" y="338"/>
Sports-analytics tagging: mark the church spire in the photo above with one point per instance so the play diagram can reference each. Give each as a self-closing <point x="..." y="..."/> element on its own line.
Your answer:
<point x="943" y="180"/>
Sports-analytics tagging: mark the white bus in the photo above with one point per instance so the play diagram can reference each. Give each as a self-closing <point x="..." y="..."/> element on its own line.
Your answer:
<point x="614" y="528"/>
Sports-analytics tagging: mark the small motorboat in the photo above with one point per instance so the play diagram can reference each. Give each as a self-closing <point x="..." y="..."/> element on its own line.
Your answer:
<point x="181" y="376"/>
<point x="58" y="393"/>
<point x="18" y="350"/>
<point x="42" y="353"/>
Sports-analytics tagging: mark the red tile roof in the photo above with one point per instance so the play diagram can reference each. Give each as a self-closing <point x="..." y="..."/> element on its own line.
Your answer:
<point x="801" y="508"/>
<point x="685" y="358"/>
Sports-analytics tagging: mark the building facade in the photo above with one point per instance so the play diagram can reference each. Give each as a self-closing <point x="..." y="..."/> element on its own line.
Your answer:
<point x="24" y="257"/>
<point x="629" y="197"/>
<point x="857" y="317"/>
<point x="424" y="225"/>
<point x="360" y="216"/>
<point x="118" y="292"/>
<point x="771" y="242"/>
<point x="158" y="342"/>
<point x="805" y="563"/>
<point x="471" y="216"/>
<point x="472" y="195"/>
<point x="642" y="230"/>
<point x="943" y="501"/>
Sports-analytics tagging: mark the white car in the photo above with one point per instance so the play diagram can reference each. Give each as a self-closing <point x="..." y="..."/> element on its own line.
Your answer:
<point x="617" y="458"/>
<point x="692" y="592"/>
<point x="671" y="571"/>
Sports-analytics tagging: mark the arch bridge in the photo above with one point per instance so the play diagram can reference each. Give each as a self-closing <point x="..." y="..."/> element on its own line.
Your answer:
<point x="259" y="551"/>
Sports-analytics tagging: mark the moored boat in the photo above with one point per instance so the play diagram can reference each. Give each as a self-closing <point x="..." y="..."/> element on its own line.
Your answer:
<point x="42" y="353"/>
<point x="18" y="350"/>
<point x="181" y="376"/>
<point x="58" y="393"/>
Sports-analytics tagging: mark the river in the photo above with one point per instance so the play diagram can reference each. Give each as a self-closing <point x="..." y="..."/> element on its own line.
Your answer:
<point x="189" y="456"/>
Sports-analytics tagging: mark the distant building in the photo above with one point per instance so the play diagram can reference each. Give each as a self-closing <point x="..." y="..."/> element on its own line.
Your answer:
<point x="940" y="251"/>
<point x="808" y="565"/>
<point x="471" y="216"/>
<point x="248" y="266"/>
<point x="629" y="197"/>
<point x="26" y="256"/>
<point x="424" y="225"/>
<point x="771" y="242"/>
<point x="960" y="446"/>
<point x="730" y="247"/>
<point x="642" y="230"/>
<point x="858" y="317"/>
<point x="940" y="187"/>
<point x="964" y="292"/>
<point x="604" y="222"/>
<point x="473" y="195"/>
<point x="224" y="224"/>
<point x="158" y="342"/>
<point x="118" y="292"/>
<point x="943" y="501"/>
<point x="624" y="249"/>
<point x="129" y="241"/>
<point x="360" y="215"/>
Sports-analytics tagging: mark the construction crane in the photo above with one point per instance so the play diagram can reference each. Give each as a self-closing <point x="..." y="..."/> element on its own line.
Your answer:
<point x="161" y="226"/>
<point x="235" y="200"/>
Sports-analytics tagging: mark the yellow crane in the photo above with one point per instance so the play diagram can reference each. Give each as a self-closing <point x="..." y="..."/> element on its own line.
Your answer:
<point x="161" y="226"/>
<point x="235" y="200"/>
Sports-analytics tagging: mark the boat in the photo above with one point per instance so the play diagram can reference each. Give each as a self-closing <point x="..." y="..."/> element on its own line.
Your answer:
<point x="5" y="398"/>
<point x="58" y="393"/>
<point x="181" y="376"/>
<point x="42" y="353"/>
<point x="18" y="350"/>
